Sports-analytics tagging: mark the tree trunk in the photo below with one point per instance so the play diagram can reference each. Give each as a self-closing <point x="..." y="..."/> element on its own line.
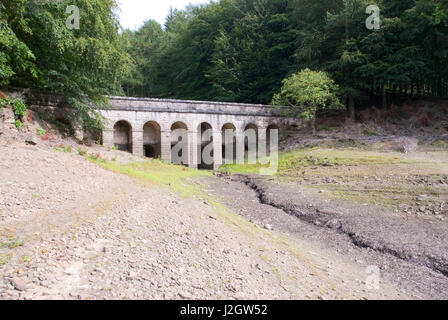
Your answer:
<point x="384" y="96"/>
<point x="313" y="125"/>
<point x="351" y="106"/>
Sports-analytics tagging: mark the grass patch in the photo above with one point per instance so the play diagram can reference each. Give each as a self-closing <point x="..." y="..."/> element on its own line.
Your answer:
<point x="4" y="259"/>
<point x="41" y="132"/>
<point x="441" y="144"/>
<point x="94" y="156"/>
<point x="156" y="171"/>
<point x="66" y="149"/>
<point x="314" y="157"/>
<point x="11" y="244"/>
<point x="82" y="152"/>
<point x="333" y="157"/>
<point x="370" y="133"/>
<point x="241" y="168"/>
<point x="323" y="127"/>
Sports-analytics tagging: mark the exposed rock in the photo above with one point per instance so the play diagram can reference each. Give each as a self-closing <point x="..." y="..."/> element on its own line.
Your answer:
<point x="19" y="284"/>
<point x="31" y="140"/>
<point x="334" y="224"/>
<point x="268" y="227"/>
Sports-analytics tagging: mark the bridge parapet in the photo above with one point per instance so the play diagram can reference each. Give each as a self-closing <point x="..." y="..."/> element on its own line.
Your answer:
<point x="188" y="106"/>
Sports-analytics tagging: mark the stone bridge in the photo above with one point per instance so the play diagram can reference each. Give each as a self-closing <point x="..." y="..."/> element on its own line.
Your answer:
<point x="145" y="126"/>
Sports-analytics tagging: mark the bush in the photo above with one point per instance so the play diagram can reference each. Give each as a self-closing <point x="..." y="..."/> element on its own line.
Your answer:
<point x="82" y="152"/>
<point x="19" y="108"/>
<point x="3" y="100"/>
<point x="18" y="123"/>
<point x="41" y="132"/>
<point x="94" y="156"/>
<point x="370" y="133"/>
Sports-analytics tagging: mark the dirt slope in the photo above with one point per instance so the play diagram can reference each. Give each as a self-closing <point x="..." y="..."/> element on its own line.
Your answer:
<point x="70" y="229"/>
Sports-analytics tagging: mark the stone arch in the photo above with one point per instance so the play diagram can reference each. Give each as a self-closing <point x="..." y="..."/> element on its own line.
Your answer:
<point x="152" y="140"/>
<point x="205" y="140"/>
<point x="249" y="129"/>
<point x="229" y="143"/>
<point x="179" y="143"/>
<point x="123" y="136"/>
<point x="251" y="125"/>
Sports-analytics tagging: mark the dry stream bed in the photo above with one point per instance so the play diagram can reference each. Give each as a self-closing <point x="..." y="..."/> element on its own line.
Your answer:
<point x="103" y="225"/>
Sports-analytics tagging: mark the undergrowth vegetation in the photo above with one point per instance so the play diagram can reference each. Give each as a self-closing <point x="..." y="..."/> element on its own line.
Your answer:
<point x="17" y="106"/>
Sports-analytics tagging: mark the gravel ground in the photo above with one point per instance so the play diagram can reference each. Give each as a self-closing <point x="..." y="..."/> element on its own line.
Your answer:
<point x="72" y="230"/>
<point x="410" y="252"/>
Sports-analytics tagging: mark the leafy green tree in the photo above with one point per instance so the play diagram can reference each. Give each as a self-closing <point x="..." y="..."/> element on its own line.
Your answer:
<point x="144" y="46"/>
<point x="84" y="64"/>
<point x="227" y="50"/>
<point x="305" y="93"/>
<point x="16" y="58"/>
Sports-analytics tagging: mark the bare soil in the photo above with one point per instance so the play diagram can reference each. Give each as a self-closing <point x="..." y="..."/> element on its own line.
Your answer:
<point x="70" y="229"/>
<point x="409" y="251"/>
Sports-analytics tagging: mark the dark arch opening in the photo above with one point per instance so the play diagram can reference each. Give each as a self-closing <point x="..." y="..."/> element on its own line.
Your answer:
<point x="229" y="143"/>
<point x="152" y="147"/>
<point x="179" y="144"/>
<point x="123" y="136"/>
<point x="205" y="138"/>
<point x="249" y="130"/>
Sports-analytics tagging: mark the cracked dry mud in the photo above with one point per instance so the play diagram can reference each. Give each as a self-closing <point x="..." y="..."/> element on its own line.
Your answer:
<point x="72" y="230"/>
<point x="410" y="252"/>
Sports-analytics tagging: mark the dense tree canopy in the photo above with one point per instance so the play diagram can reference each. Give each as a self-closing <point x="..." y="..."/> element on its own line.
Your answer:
<point x="241" y="50"/>
<point x="38" y="50"/>
<point x="227" y="50"/>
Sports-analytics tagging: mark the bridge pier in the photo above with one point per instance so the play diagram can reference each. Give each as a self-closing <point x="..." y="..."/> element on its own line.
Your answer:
<point x="193" y="149"/>
<point x="217" y="149"/>
<point x="165" y="140"/>
<point x="137" y="142"/>
<point x="262" y="139"/>
<point x="240" y="137"/>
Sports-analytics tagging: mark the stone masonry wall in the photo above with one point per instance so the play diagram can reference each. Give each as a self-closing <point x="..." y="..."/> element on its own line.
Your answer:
<point x="165" y="112"/>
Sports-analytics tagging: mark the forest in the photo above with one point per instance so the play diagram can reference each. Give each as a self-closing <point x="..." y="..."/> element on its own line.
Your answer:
<point x="228" y="50"/>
